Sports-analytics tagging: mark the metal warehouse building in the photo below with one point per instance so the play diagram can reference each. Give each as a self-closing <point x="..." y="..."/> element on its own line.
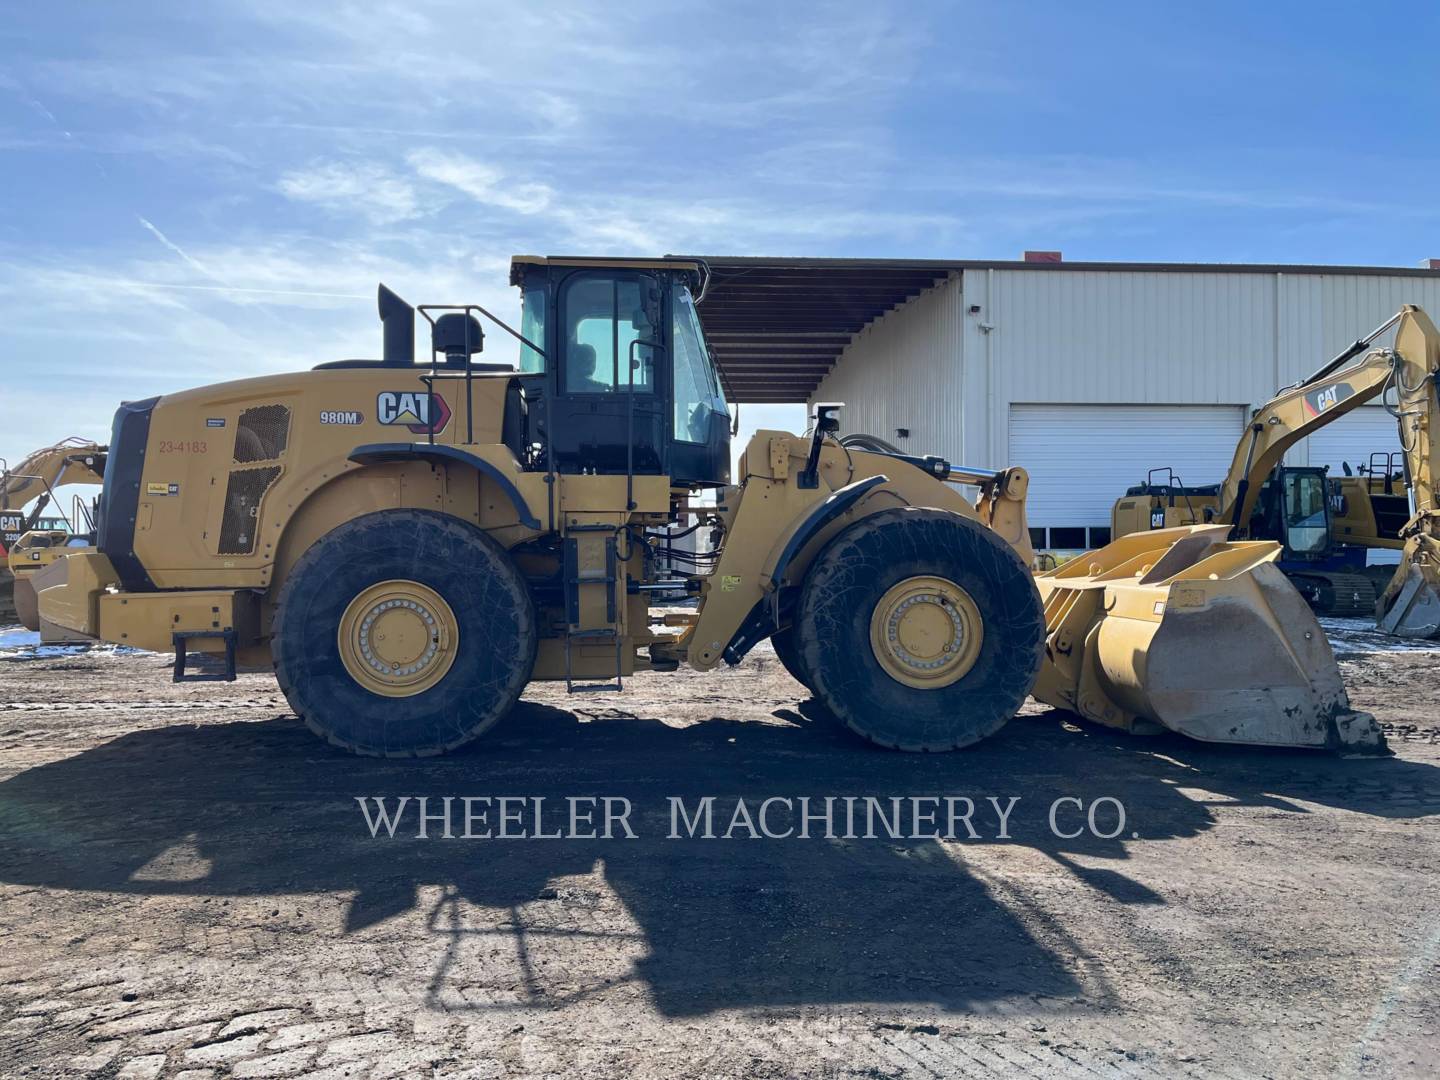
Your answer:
<point x="1087" y="374"/>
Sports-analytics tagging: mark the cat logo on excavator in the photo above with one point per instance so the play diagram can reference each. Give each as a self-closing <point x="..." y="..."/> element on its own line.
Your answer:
<point x="1327" y="397"/>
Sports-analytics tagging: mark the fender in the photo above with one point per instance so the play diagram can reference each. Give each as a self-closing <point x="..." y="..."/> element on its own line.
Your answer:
<point x="764" y="617"/>
<point x="839" y="501"/>
<point x="374" y="453"/>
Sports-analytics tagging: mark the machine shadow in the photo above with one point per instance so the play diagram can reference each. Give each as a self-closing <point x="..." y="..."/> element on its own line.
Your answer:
<point x="726" y="923"/>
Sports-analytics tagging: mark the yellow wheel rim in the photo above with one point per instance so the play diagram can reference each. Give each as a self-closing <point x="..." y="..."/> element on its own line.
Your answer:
<point x="926" y="632"/>
<point x="398" y="638"/>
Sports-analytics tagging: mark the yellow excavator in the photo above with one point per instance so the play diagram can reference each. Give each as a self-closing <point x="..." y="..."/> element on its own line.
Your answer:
<point x="1325" y="524"/>
<point x="1369" y="505"/>
<point x="1366" y="508"/>
<point x="1297" y="507"/>
<point x="31" y="538"/>
<point x="409" y="544"/>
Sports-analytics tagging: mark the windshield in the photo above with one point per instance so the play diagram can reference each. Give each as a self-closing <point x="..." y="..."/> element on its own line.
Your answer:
<point x="1307" y="524"/>
<point x="697" y="390"/>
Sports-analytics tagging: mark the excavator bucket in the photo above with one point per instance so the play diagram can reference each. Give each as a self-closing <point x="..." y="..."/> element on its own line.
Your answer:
<point x="1410" y="605"/>
<point x="1183" y="630"/>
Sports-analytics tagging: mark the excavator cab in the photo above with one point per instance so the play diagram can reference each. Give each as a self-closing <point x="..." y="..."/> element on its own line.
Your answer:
<point x="1306" y="512"/>
<point x="617" y="374"/>
<point x="1293" y="509"/>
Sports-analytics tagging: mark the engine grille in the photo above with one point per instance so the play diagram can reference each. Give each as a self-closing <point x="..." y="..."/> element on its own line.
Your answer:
<point x="242" y="506"/>
<point x="262" y="433"/>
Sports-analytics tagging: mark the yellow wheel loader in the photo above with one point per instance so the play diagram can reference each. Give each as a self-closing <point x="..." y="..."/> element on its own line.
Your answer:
<point x="411" y="543"/>
<point x="31" y="540"/>
<point x="1325" y="524"/>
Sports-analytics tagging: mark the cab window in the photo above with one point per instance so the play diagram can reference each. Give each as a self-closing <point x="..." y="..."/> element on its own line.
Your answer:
<point x="532" y="327"/>
<point x="1307" y="524"/>
<point x="603" y="317"/>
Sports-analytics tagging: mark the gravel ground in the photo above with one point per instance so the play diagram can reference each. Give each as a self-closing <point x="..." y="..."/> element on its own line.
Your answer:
<point x="188" y="888"/>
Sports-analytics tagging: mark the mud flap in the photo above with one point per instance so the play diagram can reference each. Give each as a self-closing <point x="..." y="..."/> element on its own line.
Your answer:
<point x="1182" y="629"/>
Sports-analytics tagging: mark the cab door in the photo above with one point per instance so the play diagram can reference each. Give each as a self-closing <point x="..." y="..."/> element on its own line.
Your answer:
<point x="610" y="384"/>
<point x="1306" y="513"/>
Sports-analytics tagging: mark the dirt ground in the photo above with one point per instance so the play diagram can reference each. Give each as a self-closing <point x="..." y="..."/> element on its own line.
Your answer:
<point x="188" y="888"/>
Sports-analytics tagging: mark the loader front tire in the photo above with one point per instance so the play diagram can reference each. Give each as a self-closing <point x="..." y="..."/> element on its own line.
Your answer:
<point x="922" y="630"/>
<point x="787" y="651"/>
<point x="403" y="633"/>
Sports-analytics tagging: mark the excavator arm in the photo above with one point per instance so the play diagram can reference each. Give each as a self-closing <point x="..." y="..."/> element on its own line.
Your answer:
<point x="71" y="461"/>
<point x="1301" y="410"/>
<point x="1405" y="376"/>
<point x="1410" y="604"/>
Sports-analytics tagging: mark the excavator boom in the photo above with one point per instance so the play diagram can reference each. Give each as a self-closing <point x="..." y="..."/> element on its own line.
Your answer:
<point x="1403" y="377"/>
<point x="1301" y="410"/>
<point x="70" y="461"/>
<point x="26" y="544"/>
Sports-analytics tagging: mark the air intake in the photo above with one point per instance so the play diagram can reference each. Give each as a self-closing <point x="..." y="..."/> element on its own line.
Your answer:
<point x="242" y="508"/>
<point x="262" y="433"/>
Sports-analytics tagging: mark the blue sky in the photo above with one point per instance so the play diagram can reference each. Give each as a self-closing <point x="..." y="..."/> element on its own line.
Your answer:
<point x="194" y="192"/>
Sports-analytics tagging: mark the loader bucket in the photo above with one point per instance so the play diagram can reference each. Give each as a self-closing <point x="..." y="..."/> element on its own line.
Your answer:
<point x="1181" y="629"/>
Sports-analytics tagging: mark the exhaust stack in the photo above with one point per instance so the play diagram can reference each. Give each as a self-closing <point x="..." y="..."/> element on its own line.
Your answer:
<point x="397" y="320"/>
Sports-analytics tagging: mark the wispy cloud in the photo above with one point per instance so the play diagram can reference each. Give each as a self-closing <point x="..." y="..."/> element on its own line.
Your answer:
<point x="483" y="183"/>
<point x="174" y="247"/>
<point x="363" y="188"/>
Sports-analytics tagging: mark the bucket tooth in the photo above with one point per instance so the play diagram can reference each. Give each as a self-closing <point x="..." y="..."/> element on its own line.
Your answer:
<point x="1182" y="629"/>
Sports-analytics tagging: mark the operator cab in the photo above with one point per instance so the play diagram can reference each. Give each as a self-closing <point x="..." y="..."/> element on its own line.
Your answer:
<point x="1293" y="508"/>
<point x="616" y="373"/>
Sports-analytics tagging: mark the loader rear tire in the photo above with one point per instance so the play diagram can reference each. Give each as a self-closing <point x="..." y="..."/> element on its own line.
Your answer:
<point x="403" y="633"/>
<point x="973" y="599"/>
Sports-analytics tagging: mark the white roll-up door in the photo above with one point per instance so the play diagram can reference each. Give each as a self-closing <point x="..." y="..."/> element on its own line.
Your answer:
<point x="1353" y="438"/>
<point x="1081" y="458"/>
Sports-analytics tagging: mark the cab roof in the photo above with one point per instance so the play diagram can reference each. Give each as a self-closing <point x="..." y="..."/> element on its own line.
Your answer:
<point x="520" y="262"/>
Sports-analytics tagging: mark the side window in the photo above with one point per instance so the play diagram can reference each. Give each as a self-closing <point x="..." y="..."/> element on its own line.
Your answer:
<point x="695" y="389"/>
<point x="603" y="317"/>
<point x="532" y="327"/>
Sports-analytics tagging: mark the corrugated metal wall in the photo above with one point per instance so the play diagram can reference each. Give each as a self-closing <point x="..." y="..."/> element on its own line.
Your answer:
<point x="1322" y="313"/>
<point x="904" y="371"/>
<point x="1098" y="337"/>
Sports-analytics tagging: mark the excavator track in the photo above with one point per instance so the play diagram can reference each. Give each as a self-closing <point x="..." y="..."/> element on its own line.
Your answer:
<point x="1338" y="594"/>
